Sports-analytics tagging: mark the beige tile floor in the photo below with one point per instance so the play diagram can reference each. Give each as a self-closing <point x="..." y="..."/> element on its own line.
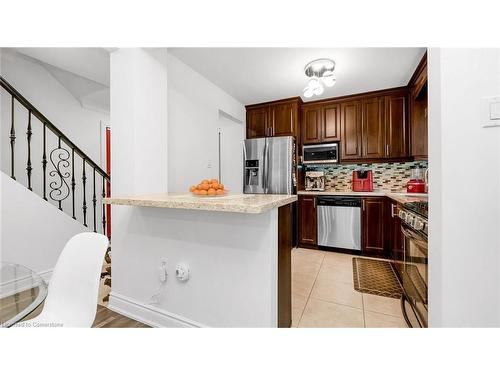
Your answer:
<point x="323" y="295"/>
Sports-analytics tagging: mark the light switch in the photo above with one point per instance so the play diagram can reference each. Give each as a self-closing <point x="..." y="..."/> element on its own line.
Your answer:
<point x="490" y="111"/>
<point x="495" y="110"/>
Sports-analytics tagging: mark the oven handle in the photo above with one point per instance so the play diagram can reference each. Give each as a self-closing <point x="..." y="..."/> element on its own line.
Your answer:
<point x="403" y="310"/>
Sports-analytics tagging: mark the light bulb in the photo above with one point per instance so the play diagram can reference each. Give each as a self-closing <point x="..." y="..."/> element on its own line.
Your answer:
<point x="319" y="89"/>
<point x="329" y="81"/>
<point x="313" y="83"/>
<point x="308" y="92"/>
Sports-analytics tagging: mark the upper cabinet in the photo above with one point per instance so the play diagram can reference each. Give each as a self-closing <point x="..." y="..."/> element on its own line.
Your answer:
<point x="418" y="111"/>
<point x="373" y="134"/>
<point x="375" y="127"/>
<point x="320" y="123"/>
<point x="396" y="127"/>
<point x="350" y="131"/>
<point x="257" y="121"/>
<point x="274" y="119"/>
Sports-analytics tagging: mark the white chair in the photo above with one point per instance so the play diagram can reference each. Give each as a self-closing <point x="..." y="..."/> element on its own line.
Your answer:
<point x="74" y="286"/>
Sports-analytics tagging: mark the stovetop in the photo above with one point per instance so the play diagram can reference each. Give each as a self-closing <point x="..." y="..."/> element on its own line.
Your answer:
<point x="420" y="208"/>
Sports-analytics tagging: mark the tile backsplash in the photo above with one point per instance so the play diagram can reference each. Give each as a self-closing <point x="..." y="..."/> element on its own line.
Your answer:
<point x="386" y="176"/>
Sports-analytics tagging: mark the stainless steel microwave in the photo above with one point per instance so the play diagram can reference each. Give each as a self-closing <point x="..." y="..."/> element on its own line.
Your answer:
<point x="320" y="154"/>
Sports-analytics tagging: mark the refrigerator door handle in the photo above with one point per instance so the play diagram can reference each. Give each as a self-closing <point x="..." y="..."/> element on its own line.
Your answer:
<point x="264" y="167"/>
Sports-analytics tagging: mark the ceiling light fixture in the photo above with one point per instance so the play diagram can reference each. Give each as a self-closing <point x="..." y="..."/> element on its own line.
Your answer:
<point x="320" y="72"/>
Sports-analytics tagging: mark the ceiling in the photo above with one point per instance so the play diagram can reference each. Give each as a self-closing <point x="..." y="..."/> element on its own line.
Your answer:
<point x="253" y="75"/>
<point x="84" y="72"/>
<point x="90" y="63"/>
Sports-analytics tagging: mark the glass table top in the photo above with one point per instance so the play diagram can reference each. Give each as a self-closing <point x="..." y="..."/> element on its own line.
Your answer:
<point x="21" y="291"/>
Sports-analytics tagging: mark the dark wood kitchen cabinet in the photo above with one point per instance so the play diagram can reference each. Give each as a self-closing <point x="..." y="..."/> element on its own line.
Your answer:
<point x="418" y="112"/>
<point x="321" y="123"/>
<point x="311" y="125"/>
<point x="284" y="119"/>
<point x="257" y="121"/>
<point x="350" y="130"/>
<point x="373" y="130"/>
<point x="396" y="237"/>
<point x="273" y="119"/>
<point x="307" y="223"/>
<point x="330" y="128"/>
<point x="373" y="236"/>
<point x="396" y="124"/>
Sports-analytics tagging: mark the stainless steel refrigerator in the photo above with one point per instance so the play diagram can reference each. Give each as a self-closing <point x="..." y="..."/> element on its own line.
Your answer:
<point x="268" y="165"/>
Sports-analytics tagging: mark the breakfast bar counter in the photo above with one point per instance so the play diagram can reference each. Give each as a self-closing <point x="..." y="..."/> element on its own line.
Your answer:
<point x="236" y="248"/>
<point x="242" y="203"/>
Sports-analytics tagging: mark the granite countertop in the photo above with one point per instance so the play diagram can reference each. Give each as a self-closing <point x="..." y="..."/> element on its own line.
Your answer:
<point x="401" y="197"/>
<point x="242" y="203"/>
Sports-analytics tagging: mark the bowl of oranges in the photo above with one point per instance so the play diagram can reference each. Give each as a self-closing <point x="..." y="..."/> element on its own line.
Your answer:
<point x="208" y="188"/>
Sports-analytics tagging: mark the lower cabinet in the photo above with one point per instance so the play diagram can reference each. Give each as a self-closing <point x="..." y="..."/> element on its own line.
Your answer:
<point x="396" y="237"/>
<point x="373" y="229"/>
<point x="380" y="226"/>
<point x="307" y="222"/>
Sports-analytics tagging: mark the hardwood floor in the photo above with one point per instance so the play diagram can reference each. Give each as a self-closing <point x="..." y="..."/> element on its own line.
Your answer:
<point x="105" y="318"/>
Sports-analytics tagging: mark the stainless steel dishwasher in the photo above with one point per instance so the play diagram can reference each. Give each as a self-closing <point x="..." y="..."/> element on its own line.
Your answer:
<point x="339" y="222"/>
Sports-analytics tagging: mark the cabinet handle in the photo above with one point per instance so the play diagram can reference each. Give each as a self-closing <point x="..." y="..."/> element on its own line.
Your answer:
<point x="314" y="202"/>
<point x="393" y="206"/>
<point x="363" y="204"/>
<point x="386" y="150"/>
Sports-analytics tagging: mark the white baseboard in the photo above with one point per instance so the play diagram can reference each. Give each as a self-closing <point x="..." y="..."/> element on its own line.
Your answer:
<point x="148" y="314"/>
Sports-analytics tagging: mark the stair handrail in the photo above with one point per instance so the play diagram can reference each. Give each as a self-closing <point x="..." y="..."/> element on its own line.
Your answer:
<point x="35" y="112"/>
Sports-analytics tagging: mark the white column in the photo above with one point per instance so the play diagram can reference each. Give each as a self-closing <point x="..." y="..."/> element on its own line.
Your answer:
<point x="139" y="121"/>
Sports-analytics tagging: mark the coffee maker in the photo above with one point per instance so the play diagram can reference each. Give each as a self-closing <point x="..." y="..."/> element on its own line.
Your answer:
<point x="315" y="180"/>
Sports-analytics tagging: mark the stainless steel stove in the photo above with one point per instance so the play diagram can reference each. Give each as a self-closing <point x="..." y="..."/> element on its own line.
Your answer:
<point x="412" y="272"/>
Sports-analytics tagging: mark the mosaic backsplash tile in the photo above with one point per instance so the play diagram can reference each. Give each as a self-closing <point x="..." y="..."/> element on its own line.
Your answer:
<point x="386" y="176"/>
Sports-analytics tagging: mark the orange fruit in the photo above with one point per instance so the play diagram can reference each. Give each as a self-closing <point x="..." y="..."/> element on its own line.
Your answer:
<point x="214" y="181"/>
<point x="221" y="186"/>
<point x="192" y="188"/>
<point x="205" y="186"/>
<point x="202" y="192"/>
<point x="215" y="185"/>
<point x="220" y="192"/>
<point x="211" y="192"/>
<point x="195" y="191"/>
<point x="205" y="182"/>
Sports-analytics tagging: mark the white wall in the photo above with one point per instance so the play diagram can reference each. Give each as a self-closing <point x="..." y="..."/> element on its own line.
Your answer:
<point x="464" y="240"/>
<point x="33" y="232"/>
<point x="194" y="120"/>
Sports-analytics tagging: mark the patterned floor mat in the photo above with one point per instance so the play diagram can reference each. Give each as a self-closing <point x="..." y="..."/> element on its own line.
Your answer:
<point x="375" y="277"/>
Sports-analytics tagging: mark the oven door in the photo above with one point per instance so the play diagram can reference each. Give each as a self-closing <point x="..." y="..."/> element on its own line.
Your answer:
<point x="414" y="273"/>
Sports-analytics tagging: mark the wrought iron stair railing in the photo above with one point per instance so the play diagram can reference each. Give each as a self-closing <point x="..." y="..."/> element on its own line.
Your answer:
<point x="67" y="163"/>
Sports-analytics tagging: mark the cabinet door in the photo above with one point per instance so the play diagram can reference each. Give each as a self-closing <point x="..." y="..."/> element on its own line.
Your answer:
<point x="373" y="226"/>
<point x="350" y="122"/>
<point x="396" y="236"/>
<point x="418" y="125"/>
<point x="307" y="220"/>
<point x="257" y="121"/>
<point x="373" y="128"/>
<point x="311" y="125"/>
<point x="396" y="125"/>
<point x="331" y="123"/>
<point x="283" y="119"/>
